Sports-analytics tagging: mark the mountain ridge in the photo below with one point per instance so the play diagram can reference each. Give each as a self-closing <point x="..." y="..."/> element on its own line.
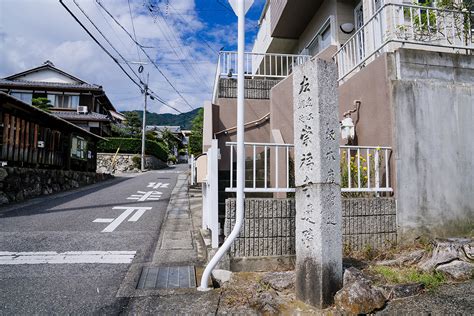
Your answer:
<point x="167" y="119"/>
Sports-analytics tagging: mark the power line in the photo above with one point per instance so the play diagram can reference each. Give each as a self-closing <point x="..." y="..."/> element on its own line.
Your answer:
<point x="107" y="40"/>
<point x="100" y="45"/>
<point x="133" y="28"/>
<point x="158" y="13"/>
<point x="151" y="92"/>
<point x="146" y="54"/>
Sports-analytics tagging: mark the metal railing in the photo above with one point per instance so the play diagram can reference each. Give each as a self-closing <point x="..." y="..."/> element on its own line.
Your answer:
<point x="260" y="178"/>
<point x="405" y="24"/>
<point x="365" y="169"/>
<point x="264" y="65"/>
<point x="270" y="168"/>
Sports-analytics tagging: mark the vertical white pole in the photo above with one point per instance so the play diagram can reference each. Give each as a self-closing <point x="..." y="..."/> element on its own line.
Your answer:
<point x="240" y="148"/>
<point x="145" y="88"/>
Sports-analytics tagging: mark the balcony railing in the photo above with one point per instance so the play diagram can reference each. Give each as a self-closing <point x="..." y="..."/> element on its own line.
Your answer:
<point x="270" y="168"/>
<point x="257" y="65"/>
<point x="405" y="24"/>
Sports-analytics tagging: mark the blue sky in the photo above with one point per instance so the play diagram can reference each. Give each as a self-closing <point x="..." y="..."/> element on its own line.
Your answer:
<point x="183" y="36"/>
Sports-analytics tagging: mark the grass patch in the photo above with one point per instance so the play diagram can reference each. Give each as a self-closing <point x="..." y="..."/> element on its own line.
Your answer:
<point x="430" y="280"/>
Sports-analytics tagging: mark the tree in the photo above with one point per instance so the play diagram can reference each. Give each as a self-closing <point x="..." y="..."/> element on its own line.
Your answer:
<point x="195" y="140"/>
<point x="131" y="128"/>
<point x="170" y="139"/>
<point x="42" y="104"/>
<point x="133" y="124"/>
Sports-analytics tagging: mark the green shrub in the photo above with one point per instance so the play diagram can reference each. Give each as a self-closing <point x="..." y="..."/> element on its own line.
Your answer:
<point x="172" y="159"/>
<point x="133" y="146"/>
<point x="137" y="161"/>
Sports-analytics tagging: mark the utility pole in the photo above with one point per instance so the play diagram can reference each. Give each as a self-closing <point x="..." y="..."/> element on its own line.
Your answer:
<point x="145" y="91"/>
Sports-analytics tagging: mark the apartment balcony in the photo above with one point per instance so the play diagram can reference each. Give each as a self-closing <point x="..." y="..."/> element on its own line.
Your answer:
<point x="262" y="71"/>
<point x="409" y="26"/>
<point x="290" y="18"/>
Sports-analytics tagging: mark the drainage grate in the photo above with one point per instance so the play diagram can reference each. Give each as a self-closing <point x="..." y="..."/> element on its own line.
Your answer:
<point x="167" y="278"/>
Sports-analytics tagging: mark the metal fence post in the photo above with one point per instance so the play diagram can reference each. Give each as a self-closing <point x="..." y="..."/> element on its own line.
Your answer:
<point x="212" y="194"/>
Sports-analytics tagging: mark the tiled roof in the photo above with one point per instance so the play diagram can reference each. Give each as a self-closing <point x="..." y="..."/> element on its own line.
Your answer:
<point x="42" y="84"/>
<point x="74" y="116"/>
<point x="160" y="128"/>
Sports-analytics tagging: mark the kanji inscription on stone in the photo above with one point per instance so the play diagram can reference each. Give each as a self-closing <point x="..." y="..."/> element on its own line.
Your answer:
<point x="317" y="179"/>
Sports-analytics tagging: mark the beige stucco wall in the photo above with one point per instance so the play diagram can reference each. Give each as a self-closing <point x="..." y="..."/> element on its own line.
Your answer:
<point x="374" y="120"/>
<point x="227" y="117"/>
<point x="281" y="108"/>
<point x="207" y="126"/>
<point x="326" y="9"/>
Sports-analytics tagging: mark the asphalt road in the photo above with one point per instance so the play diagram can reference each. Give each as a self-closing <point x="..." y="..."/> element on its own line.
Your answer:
<point x="76" y="230"/>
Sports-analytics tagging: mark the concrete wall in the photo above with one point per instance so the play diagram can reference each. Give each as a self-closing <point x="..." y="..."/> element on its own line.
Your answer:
<point x="434" y="159"/>
<point x="433" y="100"/>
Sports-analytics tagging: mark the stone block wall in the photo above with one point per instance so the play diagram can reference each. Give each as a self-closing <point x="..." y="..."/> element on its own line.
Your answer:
<point x="125" y="163"/>
<point x="18" y="184"/>
<point x="368" y="222"/>
<point x="269" y="227"/>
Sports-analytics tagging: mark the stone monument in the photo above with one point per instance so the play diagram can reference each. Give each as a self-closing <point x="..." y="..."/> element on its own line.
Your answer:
<point x="317" y="180"/>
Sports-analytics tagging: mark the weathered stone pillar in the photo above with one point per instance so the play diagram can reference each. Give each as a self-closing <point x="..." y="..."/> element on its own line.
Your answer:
<point x="317" y="179"/>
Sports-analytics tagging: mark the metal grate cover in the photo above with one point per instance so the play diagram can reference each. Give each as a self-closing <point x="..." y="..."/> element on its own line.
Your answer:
<point x="167" y="278"/>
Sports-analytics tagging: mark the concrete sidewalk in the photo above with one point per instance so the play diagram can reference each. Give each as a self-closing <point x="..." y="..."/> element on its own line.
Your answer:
<point x="180" y="245"/>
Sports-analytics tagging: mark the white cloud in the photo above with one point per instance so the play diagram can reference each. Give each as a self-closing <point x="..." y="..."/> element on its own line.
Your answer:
<point x="33" y="31"/>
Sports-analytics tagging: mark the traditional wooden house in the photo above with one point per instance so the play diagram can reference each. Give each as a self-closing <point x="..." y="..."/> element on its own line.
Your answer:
<point x="83" y="104"/>
<point x="34" y="138"/>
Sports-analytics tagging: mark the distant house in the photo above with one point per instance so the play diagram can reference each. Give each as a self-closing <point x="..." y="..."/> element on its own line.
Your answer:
<point x="83" y="104"/>
<point x="31" y="137"/>
<point x="181" y="135"/>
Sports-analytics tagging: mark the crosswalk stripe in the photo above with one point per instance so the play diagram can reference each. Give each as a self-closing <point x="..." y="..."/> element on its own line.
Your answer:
<point x="52" y="257"/>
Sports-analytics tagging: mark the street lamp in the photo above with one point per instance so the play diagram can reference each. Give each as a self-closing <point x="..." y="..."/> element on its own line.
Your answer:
<point x="240" y="8"/>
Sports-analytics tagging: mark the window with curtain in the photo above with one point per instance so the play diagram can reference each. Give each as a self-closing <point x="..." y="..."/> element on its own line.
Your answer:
<point x="64" y="100"/>
<point x="23" y="96"/>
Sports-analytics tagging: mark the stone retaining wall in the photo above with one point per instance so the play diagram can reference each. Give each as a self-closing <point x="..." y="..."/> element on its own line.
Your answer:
<point x="269" y="228"/>
<point x="125" y="163"/>
<point x="18" y="184"/>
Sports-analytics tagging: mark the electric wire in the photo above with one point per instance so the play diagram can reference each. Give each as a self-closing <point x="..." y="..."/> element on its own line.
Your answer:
<point x="139" y="85"/>
<point x="100" y="45"/>
<point x="158" y="14"/>
<point x="145" y="53"/>
<point x="133" y="28"/>
<point x="107" y="40"/>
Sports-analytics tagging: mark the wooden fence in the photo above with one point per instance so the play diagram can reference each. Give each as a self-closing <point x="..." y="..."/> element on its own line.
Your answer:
<point x="21" y="142"/>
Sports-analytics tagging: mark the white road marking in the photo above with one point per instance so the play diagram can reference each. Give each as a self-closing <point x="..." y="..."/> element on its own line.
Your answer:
<point x="156" y="185"/>
<point x="53" y="257"/>
<point x="103" y="220"/>
<point x="135" y="217"/>
<point x="146" y="196"/>
<point x="128" y="210"/>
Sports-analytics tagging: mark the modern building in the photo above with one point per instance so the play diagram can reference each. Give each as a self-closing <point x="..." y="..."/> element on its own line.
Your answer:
<point x="83" y="104"/>
<point x="406" y="97"/>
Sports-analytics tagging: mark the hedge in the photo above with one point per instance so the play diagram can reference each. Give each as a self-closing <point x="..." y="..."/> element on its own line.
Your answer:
<point x="133" y="146"/>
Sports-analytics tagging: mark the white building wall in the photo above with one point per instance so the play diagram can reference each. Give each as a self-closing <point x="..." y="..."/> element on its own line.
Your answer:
<point x="47" y="76"/>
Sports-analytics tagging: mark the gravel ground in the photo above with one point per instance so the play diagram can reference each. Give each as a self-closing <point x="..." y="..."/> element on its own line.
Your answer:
<point x="449" y="299"/>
